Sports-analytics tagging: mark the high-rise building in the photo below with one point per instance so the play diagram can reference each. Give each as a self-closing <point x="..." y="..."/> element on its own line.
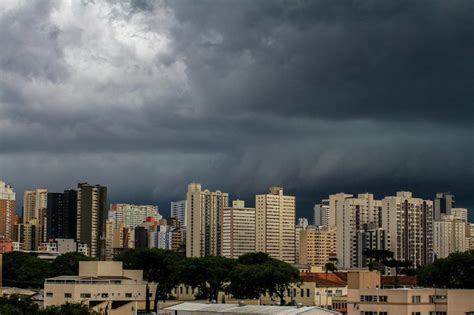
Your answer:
<point x="409" y="224"/>
<point x="370" y="237"/>
<point x="35" y="210"/>
<point x="317" y="245"/>
<point x="449" y="235"/>
<point x="471" y="236"/>
<point x="7" y="211"/>
<point x="459" y="213"/>
<point x="27" y="235"/>
<point x="61" y="215"/>
<point x="321" y="213"/>
<point x="333" y="203"/>
<point x="91" y="217"/>
<point x="178" y="211"/>
<point x="275" y="224"/>
<point x="352" y="214"/>
<point x="130" y="215"/>
<point x="300" y="226"/>
<point x="238" y="230"/>
<point x="443" y="203"/>
<point x="204" y="214"/>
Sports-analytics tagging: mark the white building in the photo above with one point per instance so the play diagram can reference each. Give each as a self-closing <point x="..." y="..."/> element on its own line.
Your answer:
<point x="238" y="230"/>
<point x="204" y="215"/>
<point x="178" y="211"/>
<point x="275" y="224"/>
<point x="449" y="236"/>
<point x="409" y="223"/>
<point x="351" y="216"/>
<point x="131" y="215"/>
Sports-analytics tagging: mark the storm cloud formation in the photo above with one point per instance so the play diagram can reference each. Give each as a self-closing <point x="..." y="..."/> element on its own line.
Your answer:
<point x="318" y="96"/>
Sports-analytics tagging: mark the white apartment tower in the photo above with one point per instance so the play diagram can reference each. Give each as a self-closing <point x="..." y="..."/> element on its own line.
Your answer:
<point x="449" y="235"/>
<point x="352" y="215"/>
<point x="178" y="211"/>
<point x="130" y="216"/>
<point x="238" y="230"/>
<point x="275" y="224"/>
<point x="409" y="224"/>
<point x="204" y="215"/>
<point x="321" y="213"/>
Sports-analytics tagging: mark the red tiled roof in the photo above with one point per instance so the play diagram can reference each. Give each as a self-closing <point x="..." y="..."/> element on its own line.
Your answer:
<point x="337" y="279"/>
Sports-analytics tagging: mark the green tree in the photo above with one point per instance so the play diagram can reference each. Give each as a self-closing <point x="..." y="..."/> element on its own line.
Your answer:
<point x="15" y="304"/>
<point x="68" y="264"/>
<point x="68" y="309"/>
<point x="376" y="258"/>
<point x="278" y="276"/>
<point x="160" y="266"/>
<point x="24" y="270"/>
<point x="454" y="271"/>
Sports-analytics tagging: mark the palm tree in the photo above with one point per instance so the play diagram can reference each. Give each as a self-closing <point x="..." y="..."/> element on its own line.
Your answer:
<point x="330" y="267"/>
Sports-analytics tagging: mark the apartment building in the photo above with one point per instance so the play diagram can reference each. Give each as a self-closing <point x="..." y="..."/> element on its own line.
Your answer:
<point x="7" y="211"/>
<point x="178" y="211"/>
<point x="91" y="217"/>
<point x="443" y="203"/>
<point x="61" y="214"/>
<point x="409" y="224"/>
<point x="275" y="224"/>
<point x="130" y="216"/>
<point x="352" y="215"/>
<point x="317" y="244"/>
<point x="204" y="215"/>
<point x="238" y="230"/>
<point x="449" y="236"/>
<point x="321" y="213"/>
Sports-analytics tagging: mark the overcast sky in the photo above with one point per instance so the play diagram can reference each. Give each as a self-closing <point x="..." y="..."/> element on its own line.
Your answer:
<point x="317" y="96"/>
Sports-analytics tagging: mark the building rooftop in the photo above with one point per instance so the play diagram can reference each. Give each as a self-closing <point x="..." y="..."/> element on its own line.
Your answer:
<point x="338" y="279"/>
<point x="248" y="309"/>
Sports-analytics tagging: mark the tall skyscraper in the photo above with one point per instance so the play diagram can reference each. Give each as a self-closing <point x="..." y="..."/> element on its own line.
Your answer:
<point x="352" y="214"/>
<point x="91" y="217"/>
<point x="370" y="237"/>
<point x="204" y="216"/>
<point x="449" y="235"/>
<point x="131" y="216"/>
<point x="7" y="211"/>
<point x="409" y="223"/>
<point x="178" y="211"/>
<point x="275" y="224"/>
<point x="238" y="230"/>
<point x="61" y="215"/>
<point x="443" y="204"/>
<point x="317" y="245"/>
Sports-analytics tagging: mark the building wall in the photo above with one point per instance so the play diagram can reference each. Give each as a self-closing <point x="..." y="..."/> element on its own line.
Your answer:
<point x="238" y="230"/>
<point x="204" y="221"/>
<point x="7" y="211"/>
<point x="178" y="211"/>
<point x="317" y="245"/>
<point x="275" y="224"/>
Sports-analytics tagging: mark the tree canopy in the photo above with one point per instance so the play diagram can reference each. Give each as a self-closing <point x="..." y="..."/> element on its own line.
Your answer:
<point x="24" y="270"/>
<point x="454" y="271"/>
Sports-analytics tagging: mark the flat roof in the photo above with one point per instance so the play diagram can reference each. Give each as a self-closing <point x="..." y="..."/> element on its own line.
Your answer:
<point x="248" y="309"/>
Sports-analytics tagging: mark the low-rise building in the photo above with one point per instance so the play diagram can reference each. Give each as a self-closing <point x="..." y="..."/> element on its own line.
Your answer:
<point x="365" y="297"/>
<point x="102" y="285"/>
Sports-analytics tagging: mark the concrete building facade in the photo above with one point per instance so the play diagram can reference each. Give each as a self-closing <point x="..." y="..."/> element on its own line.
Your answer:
<point x="443" y="203"/>
<point x="91" y="218"/>
<point x="178" y="211"/>
<point x="130" y="215"/>
<point x="7" y="211"/>
<point x="238" y="230"/>
<point x="317" y="244"/>
<point x="449" y="236"/>
<point x="275" y="224"/>
<point x="204" y="215"/>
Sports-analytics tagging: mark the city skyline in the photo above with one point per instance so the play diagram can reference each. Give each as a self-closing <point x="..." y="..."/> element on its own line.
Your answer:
<point x="317" y="96"/>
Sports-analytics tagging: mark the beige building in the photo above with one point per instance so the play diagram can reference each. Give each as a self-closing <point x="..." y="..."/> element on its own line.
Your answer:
<point x="204" y="217"/>
<point x="275" y="224"/>
<point x="130" y="215"/>
<point x="365" y="297"/>
<point x="449" y="235"/>
<point x="238" y="230"/>
<point x="7" y="211"/>
<point x="317" y="245"/>
<point x="101" y="285"/>
<point x="34" y="203"/>
<point x="352" y="215"/>
<point x="409" y="224"/>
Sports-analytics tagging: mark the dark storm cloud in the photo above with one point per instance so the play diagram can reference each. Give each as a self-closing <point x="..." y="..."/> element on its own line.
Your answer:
<point x="319" y="96"/>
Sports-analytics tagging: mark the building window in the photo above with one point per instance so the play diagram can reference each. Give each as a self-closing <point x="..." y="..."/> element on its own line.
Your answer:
<point x="187" y="290"/>
<point x="49" y="294"/>
<point x="67" y="295"/>
<point x="383" y="298"/>
<point x="180" y="290"/>
<point x="104" y="295"/>
<point x="302" y="293"/>
<point x="383" y="313"/>
<point x="128" y="295"/>
<point x="85" y="295"/>
<point x="416" y="299"/>
<point x="415" y="313"/>
<point x="307" y="292"/>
